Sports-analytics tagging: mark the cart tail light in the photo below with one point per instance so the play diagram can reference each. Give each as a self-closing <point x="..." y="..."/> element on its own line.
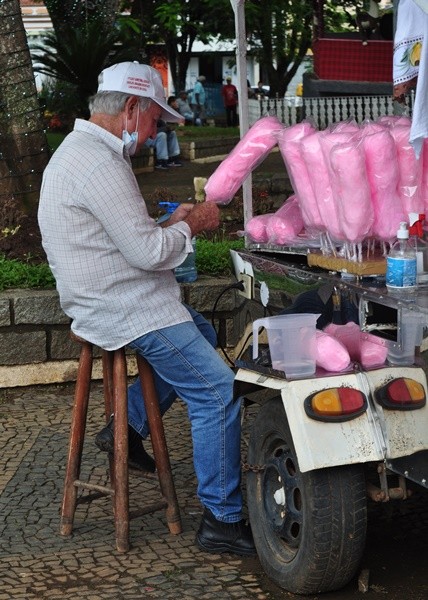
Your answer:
<point x="401" y="394"/>
<point x="336" y="404"/>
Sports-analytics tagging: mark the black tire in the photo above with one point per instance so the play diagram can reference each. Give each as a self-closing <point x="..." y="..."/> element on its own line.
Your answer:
<point x="316" y="544"/>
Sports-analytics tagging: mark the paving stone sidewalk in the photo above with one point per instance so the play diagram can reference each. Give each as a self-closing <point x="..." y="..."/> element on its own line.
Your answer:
<point x="36" y="562"/>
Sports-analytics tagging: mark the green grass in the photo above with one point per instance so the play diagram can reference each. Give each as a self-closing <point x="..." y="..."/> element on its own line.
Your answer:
<point x="212" y="259"/>
<point x="188" y="133"/>
<point x="17" y="274"/>
<point x="194" y="133"/>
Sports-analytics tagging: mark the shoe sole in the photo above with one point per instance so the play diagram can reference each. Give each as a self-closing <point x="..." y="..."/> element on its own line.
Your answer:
<point x="221" y="548"/>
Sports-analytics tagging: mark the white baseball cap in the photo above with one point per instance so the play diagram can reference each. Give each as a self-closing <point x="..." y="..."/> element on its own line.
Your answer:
<point x="139" y="80"/>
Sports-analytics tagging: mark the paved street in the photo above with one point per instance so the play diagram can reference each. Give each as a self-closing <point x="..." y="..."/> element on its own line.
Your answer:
<point x="37" y="563"/>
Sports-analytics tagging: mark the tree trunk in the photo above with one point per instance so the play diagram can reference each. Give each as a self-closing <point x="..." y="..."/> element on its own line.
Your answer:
<point x="24" y="150"/>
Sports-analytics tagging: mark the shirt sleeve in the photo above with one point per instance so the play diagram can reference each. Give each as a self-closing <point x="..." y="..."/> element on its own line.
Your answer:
<point x="113" y="198"/>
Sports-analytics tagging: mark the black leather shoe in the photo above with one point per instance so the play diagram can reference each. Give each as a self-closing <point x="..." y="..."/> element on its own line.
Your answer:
<point x="216" y="536"/>
<point x="137" y="457"/>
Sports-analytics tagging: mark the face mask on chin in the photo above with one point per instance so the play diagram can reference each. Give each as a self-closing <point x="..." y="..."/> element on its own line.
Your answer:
<point x="130" y="140"/>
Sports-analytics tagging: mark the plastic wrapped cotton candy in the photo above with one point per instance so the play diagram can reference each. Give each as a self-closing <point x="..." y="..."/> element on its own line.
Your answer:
<point x="246" y="155"/>
<point x="382" y="174"/>
<point x="369" y="127"/>
<point x="393" y="120"/>
<point x="289" y="145"/>
<point x="256" y="228"/>
<point x="331" y="354"/>
<point x="362" y="347"/>
<point x="320" y="179"/>
<point x="355" y="206"/>
<point x="372" y="354"/>
<point x="409" y="169"/>
<point x="348" y="335"/>
<point x="349" y="126"/>
<point x="328" y="139"/>
<point x="284" y="226"/>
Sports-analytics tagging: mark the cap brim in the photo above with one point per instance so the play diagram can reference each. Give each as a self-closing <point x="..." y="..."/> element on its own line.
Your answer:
<point x="168" y="114"/>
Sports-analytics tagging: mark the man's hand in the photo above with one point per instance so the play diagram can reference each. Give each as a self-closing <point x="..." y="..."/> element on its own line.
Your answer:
<point x="179" y="214"/>
<point x="204" y="216"/>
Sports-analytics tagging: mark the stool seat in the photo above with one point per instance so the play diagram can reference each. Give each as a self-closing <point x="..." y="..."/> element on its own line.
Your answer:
<point x="115" y="386"/>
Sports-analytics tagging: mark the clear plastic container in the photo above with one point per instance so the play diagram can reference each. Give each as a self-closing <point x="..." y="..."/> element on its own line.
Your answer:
<point x="411" y="335"/>
<point x="292" y="342"/>
<point x="421" y="248"/>
<point x="186" y="272"/>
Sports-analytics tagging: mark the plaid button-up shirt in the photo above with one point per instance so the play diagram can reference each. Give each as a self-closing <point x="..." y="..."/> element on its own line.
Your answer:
<point x="112" y="262"/>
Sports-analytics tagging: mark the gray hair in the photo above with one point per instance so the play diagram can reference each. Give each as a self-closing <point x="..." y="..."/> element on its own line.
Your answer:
<point x="112" y="103"/>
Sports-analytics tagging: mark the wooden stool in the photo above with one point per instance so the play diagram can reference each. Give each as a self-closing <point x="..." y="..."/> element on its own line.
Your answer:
<point x="115" y="387"/>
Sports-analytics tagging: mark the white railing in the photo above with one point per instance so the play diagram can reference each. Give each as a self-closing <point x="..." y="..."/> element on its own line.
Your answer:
<point x="324" y="111"/>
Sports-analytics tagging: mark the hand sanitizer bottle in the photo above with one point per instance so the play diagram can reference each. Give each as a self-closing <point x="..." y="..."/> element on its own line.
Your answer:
<point x="401" y="263"/>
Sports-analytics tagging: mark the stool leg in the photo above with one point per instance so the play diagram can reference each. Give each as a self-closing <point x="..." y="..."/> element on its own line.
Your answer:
<point x="107" y="359"/>
<point x="160" y="450"/>
<point x="120" y="457"/>
<point x="77" y="435"/>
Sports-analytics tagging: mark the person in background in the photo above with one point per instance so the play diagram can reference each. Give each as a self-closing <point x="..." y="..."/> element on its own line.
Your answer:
<point x="166" y="144"/>
<point x="251" y="93"/>
<point x="183" y="107"/>
<point x="114" y="270"/>
<point x="260" y="91"/>
<point x="230" y="100"/>
<point x="199" y="100"/>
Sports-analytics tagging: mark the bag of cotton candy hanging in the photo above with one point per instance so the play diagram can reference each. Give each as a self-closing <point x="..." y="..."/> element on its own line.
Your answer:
<point x="246" y="156"/>
<point x="286" y="223"/>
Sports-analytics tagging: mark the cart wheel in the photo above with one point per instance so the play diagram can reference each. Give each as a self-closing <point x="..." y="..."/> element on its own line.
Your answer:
<point x="309" y="528"/>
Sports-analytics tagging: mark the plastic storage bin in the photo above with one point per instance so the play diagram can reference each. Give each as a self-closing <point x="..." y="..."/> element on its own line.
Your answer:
<point x="292" y="342"/>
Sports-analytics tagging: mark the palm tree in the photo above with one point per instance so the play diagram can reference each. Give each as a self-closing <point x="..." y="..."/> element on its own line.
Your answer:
<point x="78" y="55"/>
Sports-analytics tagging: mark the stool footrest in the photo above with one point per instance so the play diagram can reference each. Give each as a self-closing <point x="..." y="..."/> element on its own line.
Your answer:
<point x="149" y="508"/>
<point x="103" y="490"/>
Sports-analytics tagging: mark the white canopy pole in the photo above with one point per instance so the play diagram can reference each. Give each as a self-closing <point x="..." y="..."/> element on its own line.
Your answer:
<point x="241" y="64"/>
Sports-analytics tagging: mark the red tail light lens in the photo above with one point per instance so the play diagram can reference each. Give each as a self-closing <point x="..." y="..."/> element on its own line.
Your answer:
<point x="336" y="404"/>
<point x="401" y="394"/>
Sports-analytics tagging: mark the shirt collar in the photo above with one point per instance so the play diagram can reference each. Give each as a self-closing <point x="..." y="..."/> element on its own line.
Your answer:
<point x="108" y="138"/>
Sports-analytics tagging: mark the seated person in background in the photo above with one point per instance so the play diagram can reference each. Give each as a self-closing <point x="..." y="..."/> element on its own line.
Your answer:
<point x="260" y="91"/>
<point x="251" y="92"/>
<point x="183" y="107"/>
<point x="165" y="144"/>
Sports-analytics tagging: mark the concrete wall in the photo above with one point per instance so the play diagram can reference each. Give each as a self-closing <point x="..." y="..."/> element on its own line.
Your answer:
<point x="35" y="345"/>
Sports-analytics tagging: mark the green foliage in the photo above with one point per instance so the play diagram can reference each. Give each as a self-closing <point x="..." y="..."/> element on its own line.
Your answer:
<point x="78" y="56"/>
<point x="213" y="257"/>
<point x="17" y="274"/>
<point x="54" y="140"/>
<point x="195" y="133"/>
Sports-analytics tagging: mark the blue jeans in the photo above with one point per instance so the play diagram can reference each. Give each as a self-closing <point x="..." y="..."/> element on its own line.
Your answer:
<point x="165" y="145"/>
<point x="186" y="365"/>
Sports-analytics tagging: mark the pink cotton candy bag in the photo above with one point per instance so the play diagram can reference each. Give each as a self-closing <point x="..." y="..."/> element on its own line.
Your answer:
<point x="331" y="354"/>
<point x="246" y="156"/>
